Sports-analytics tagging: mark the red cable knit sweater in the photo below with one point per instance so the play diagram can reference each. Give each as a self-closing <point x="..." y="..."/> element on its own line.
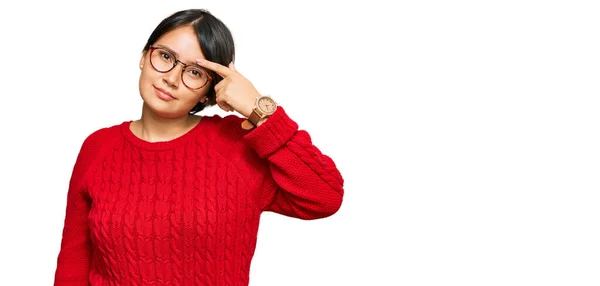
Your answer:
<point x="186" y="211"/>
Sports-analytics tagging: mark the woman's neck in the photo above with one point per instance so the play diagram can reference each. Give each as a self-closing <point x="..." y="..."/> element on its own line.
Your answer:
<point x="154" y="128"/>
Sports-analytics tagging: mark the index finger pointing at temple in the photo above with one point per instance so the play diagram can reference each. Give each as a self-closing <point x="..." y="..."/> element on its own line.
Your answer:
<point x="219" y="69"/>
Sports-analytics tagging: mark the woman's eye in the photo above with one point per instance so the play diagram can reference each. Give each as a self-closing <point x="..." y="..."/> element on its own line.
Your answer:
<point x="165" y="56"/>
<point x="195" y="73"/>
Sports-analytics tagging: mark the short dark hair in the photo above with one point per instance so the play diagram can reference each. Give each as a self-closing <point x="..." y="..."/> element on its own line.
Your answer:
<point x="216" y="42"/>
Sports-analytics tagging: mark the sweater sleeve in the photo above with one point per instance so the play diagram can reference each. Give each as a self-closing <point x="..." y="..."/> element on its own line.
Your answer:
<point x="74" y="257"/>
<point x="303" y="183"/>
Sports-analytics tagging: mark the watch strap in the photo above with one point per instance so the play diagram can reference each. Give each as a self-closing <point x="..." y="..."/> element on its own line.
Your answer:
<point x="255" y="116"/>
<point x="247" y="125"/>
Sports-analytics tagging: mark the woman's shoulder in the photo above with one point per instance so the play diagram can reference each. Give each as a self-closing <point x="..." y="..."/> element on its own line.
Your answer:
<point x="224" y="119"/>
<point x="226" y="133"/>
<point x="228" y="126"/>
<point x="94" y="143"/>
<point x="106" y="132"/>
<point x="103" y="135"/>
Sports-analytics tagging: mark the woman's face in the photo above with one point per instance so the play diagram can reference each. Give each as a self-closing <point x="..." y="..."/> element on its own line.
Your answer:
<point x="164" y="93"/>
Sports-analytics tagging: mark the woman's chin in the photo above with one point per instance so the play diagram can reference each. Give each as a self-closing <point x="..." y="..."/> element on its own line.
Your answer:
<point x="163" y="109"/>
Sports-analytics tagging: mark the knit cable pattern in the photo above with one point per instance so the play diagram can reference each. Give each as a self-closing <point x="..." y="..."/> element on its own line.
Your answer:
<point x="187" y="211"/>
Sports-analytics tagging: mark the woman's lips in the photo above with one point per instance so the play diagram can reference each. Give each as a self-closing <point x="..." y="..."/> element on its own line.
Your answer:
<point x="163" y="95"/>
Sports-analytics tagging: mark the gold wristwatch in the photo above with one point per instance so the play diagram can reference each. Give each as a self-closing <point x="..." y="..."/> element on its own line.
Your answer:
<point x="264" y="107"/>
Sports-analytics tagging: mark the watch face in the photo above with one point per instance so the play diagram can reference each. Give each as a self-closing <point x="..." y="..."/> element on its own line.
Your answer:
<point x="267" y="105"/>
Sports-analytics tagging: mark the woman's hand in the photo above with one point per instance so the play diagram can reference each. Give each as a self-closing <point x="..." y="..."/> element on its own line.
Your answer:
<point x="234" y="92"/>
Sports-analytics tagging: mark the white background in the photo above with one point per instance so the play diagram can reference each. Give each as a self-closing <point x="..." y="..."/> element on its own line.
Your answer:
<point x="466" y="132"/>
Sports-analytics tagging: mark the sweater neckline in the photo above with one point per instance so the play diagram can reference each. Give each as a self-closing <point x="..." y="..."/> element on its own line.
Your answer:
<point x="160" y="145"/>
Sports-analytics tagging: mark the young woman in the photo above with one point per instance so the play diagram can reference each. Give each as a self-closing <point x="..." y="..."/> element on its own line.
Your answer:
<point x="174" y="198"/>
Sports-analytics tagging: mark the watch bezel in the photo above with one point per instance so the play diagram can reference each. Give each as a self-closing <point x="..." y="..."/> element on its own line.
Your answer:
<point x="266" y="97"/>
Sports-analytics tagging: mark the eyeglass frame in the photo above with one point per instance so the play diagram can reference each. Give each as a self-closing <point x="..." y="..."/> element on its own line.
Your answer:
<point x="151" y="50"/>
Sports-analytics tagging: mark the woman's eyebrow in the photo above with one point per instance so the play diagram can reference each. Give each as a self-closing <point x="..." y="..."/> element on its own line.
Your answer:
<point x="168" y="49"/>
<point x="176" y="54"/>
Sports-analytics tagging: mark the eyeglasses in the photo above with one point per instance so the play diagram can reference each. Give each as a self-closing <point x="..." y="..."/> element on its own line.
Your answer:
<point x="192" y="76"/>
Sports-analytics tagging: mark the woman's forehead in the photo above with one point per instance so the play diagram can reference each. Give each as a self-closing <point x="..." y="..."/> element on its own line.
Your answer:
<point x="183" y="43"/>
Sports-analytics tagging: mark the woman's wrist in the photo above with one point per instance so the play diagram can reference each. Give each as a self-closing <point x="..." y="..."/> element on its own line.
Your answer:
<point x="261" y="121"/>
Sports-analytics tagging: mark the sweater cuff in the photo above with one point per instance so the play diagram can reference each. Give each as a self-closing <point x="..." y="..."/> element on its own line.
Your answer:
<point x="272" y="134"/>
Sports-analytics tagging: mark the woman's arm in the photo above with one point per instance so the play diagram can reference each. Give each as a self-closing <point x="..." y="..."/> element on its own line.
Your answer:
<point x="74" y="257"/>
<point x="303" y="183"/>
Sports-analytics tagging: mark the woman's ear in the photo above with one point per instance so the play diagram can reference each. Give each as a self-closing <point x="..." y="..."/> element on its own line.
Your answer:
<point x="142" y="60"/>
